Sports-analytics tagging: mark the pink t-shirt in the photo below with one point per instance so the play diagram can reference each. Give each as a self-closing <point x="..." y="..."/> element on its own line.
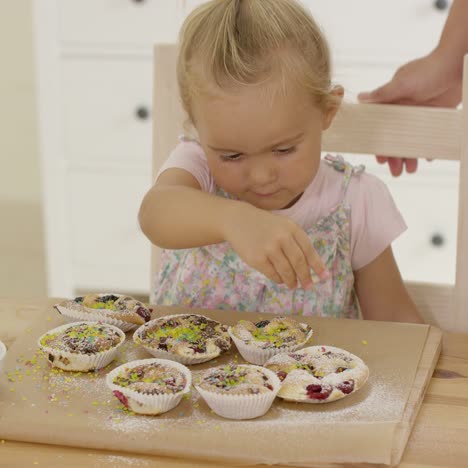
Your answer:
<point x="375" y="220"/>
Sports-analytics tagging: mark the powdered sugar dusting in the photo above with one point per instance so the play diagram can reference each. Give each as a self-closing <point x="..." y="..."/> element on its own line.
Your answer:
<point x="318" y="374"/>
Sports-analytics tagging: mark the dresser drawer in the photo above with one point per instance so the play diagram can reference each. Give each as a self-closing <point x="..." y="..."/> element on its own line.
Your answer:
<point x="376" y="31"/>
<point x="108" y="248"/>
<point x="427" y="250"/>
<point x="118" y="22"/>
<point x="395" y="27"/>
<point x="107" y="110"/>
<point x="379" y="31"/>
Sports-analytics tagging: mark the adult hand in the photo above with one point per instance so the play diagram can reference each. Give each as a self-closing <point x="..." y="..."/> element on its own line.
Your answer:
<point x="274" y="245"/>
<point x="434" y="80"/>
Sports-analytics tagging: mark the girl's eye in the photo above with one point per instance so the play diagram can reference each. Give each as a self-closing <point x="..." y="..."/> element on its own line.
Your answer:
<point x="285" y="150"/>
<point x="230" y="157"/>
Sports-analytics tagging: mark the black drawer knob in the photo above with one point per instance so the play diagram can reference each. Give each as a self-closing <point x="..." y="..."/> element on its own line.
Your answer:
<point x="142" y="113"/>
<point x="441" y="4"/>
<point x="437" y="240"/>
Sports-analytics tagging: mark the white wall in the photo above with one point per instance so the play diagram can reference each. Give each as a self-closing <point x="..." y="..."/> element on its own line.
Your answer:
<point x="19" y="177"/>
<point x="21" y="240"/>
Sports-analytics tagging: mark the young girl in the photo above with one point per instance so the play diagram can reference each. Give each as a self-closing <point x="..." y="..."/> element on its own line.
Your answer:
<point x="250" y="216"/>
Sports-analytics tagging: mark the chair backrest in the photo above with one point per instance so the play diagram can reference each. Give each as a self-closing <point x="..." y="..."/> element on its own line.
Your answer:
<point x="404" y="131"/>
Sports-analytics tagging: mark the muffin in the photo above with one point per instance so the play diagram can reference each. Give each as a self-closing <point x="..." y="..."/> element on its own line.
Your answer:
<point x="238" y="391"/>
<point x="150" y="386"/>
<point x="185" y="338"/>
<point x="258" y="342"/>
<point x="318" y="374"/>
<point x="123" y="312"/>
<point x="81" y="346"/>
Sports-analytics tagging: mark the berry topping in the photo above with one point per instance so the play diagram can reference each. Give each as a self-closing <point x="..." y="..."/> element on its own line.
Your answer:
<point x="223" y="345"/>
<point x="346" y="387"/>
<point x="121" y="397"/>
<point x="143" y="313"/>
<point x="108" y="298"/>
<point x="262" y="323"/>
<point x="281" y="375"/>
<point x="297" y="357"/>
<point x="199" y="320"/>
<point x="318" y="392"/>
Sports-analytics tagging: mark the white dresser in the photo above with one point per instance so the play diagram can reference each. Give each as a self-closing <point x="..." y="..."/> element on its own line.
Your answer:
<point x="94" y="73"/>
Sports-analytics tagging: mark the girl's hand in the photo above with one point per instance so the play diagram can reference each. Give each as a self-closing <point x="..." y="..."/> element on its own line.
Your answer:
<point x="273" y="245"/>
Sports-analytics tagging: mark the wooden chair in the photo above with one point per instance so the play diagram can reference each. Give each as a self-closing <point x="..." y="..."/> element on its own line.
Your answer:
<point x="403" y="131"/>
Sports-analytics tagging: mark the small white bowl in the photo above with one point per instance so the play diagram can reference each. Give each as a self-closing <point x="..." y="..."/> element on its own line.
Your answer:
<point x="3" y="351"/>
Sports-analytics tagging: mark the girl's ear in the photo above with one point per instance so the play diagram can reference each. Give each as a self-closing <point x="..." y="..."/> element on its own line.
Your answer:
<point x="336" y="96"/>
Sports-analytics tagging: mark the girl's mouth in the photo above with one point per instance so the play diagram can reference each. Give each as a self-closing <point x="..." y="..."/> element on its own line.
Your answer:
<point x="264" y="195"/>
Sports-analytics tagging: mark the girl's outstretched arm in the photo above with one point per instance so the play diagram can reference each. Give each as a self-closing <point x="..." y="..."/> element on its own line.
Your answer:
<point x="381" y="292"/>
<point x="177" y="214"/>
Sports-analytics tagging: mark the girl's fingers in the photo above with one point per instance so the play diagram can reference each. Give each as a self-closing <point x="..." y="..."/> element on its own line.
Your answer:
<point x="270" y="272"/>
<point x="284" y="269"/>
<point x="314" y="260"/>
<point x="296" y="257"/>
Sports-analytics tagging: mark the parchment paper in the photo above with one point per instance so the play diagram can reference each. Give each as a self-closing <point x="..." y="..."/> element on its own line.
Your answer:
<point x="38" y="404"/>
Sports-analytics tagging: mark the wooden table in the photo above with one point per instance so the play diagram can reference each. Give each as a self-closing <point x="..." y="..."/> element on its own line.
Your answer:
<point x="439" y="438"/>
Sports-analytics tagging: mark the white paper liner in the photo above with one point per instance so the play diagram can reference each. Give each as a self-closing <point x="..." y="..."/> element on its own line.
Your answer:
<point x="76" y="361"/>
<point x="72" y="315"/>
<point x="159" y="353"/>
<point x="75" y="315"/>
<point x="3" y="351"/>
<point x="242" y="406"/>
<point x="259" y="356"/>
<point x="150" y="404"/>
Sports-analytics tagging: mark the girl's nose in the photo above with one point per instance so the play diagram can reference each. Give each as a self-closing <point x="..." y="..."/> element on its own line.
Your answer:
<point x="262" y="173"/>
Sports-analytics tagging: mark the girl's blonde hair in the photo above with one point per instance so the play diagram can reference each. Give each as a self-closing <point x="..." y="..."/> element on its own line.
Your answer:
<point x="232" y="43"/>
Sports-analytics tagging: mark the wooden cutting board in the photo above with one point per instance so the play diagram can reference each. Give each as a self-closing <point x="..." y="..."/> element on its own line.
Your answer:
<point x="38" y="404"/>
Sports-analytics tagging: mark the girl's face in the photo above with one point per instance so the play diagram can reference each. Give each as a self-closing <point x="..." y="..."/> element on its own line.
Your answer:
<point x="262" y="150"/>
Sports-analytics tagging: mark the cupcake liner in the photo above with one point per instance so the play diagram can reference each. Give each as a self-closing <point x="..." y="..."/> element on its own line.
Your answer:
<point x="71" y="316"/>
<point x="259" y="356"/>
<point x="80" y="362"/>
<point x="143" y="403"/>
<point x="176" y="358"/>
<point x="3" y="351"/>
<point x="74" y="315"/>
<point x="159" y="353"/>
<point x="242" y="406"/>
